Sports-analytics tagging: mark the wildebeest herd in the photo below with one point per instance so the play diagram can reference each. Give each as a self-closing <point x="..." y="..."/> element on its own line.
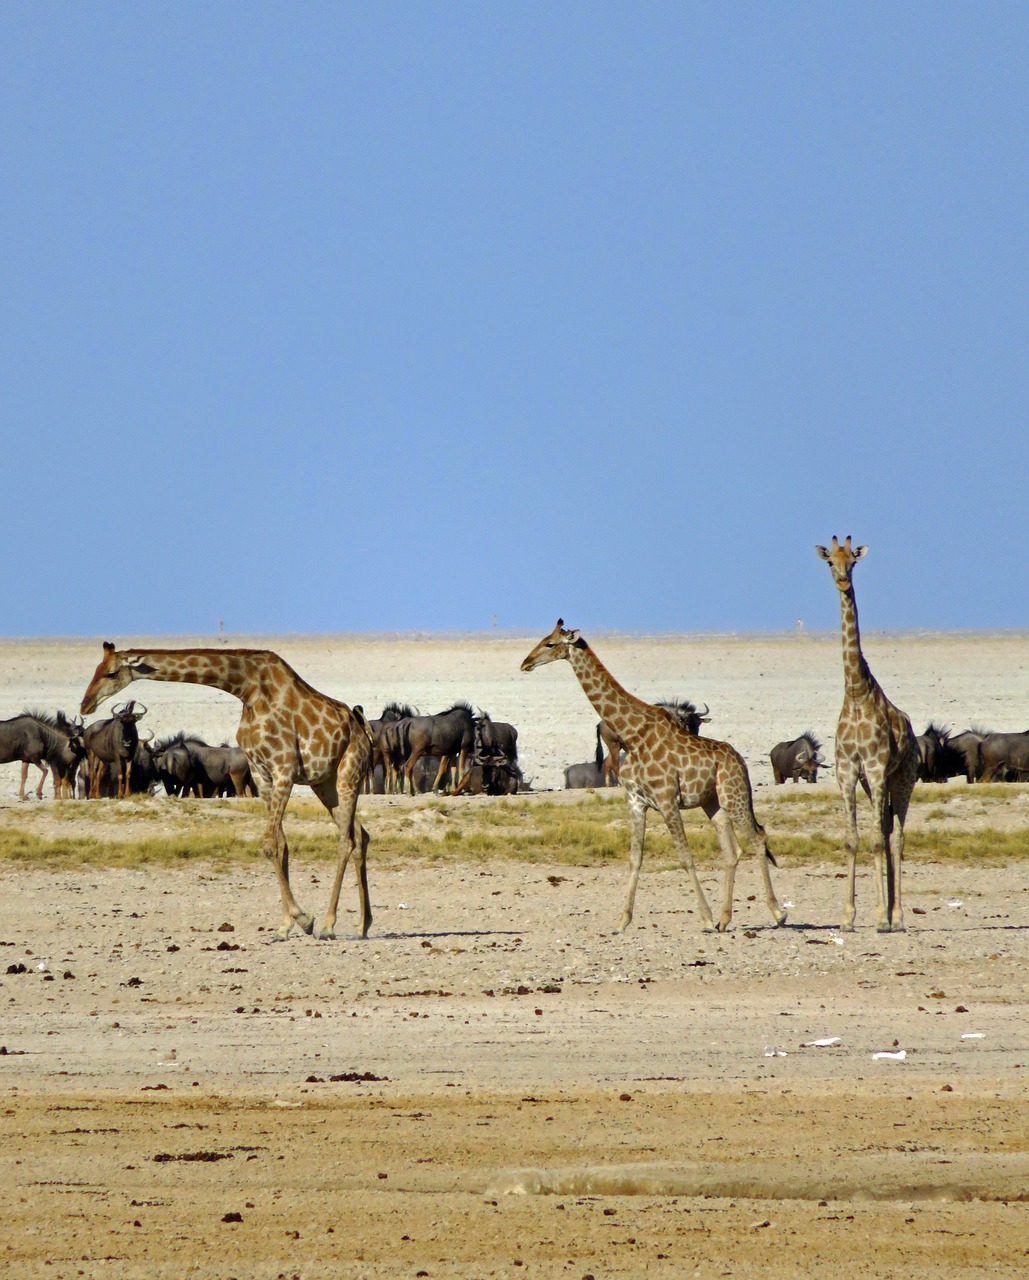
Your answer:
<point x="290" y="733"/>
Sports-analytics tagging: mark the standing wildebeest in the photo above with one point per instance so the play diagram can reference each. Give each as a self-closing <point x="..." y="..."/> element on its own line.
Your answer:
<point x="968" y="746"/>
<point x="175" y="766"/>
<point x="113" y="741"/>
<point x="43" y="740"/>
<point x="797" y="759"/>
<point x="940" y="759"/>
<point x="496" y="741"/>
<point x="450" y="734"/>
<point x="1006" y="755"/>
<point x="221" y="770"/>
<point x="685" y="712"/>
<point x="381" y="746"/>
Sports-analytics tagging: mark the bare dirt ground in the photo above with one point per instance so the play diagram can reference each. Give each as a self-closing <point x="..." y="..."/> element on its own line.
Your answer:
<point x="493" y="1083"/>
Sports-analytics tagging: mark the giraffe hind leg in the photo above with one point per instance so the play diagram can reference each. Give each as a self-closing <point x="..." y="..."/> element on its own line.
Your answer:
<point x="276" y="850"/>
<point x="353" y="840"/>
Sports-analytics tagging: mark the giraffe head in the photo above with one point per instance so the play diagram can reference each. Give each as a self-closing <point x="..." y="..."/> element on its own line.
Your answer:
<point x="842" y="560"/>
<point x="114" y="671"/>
<point x="553" y="647"/>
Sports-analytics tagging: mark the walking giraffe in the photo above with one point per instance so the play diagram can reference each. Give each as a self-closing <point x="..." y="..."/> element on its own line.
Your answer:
<point x="291" y="734"/>
<point x="875" y="745"/>
<point x="668" y="769"/>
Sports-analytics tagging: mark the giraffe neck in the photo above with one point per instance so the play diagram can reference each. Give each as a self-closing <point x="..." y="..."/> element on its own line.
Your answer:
<point x="230" y="669"/>
<point x="615" y="705"/>
<point x="857" y="678"/>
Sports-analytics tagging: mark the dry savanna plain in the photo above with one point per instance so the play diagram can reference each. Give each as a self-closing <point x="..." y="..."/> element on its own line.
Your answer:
<point x="494" y="1082"/>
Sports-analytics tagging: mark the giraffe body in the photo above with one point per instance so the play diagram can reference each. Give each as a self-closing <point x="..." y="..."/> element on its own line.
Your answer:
<point x="291" y="734"/>
<point x="876" y="747"/>
<point x="666" y="768"/>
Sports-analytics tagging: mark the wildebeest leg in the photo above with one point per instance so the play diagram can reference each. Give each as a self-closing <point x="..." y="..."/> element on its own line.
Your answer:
<point x="339" y="795"/>
<point x="444" y="765"/>
<point x="276" y="849"/>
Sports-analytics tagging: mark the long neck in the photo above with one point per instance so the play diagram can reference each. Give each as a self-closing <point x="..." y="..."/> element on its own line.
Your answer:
<point x="856" y="676"/>
<point x="228" y="669"/>
<point x="615" y="705"/>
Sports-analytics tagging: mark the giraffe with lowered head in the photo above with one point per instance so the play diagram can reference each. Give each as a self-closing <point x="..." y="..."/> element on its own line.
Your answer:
<point x="875" y="745"/>
<point x="667" y="768"/>
<point x="291" y="734"/>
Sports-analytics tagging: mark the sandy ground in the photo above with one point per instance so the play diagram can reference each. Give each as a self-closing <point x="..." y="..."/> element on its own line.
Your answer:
<point x="494" y="1083"/>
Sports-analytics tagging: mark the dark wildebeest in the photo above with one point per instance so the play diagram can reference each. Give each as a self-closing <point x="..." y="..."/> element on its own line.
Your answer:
<point x="175" y="766"/>
<point x="450" y="735"/>
<point x="221" y="770"/>
<point x="45" y="741"/>
<point x="685" y="712"/>
<point x="797" y="759"/>
<point x="939" y="758"/>
<point x="113" y="741"/>
<point x="503" y="778"/>
<point x="381" y="777"/>
<point x="967" y="745"/>
<point x="1006" y="755"/>
<point x="496" y="741"/>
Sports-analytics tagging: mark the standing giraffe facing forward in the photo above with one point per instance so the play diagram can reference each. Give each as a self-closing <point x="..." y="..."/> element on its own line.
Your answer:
<point x="291" y="734"/>
<point x="668" y="769"/>
<point x="875" y="745"/>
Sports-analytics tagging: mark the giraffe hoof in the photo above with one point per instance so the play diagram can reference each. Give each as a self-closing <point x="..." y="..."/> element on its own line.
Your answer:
<point x="779" y="917"/>
<point x="325" y="935"/>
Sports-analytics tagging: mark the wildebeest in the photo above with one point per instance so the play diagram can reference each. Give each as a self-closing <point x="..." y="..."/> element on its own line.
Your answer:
<point x="113" y="741"/>
<point x="175" y="766"/>
<point x="585" y="776"/>
<point x="496" y="741"/>
<point x="47" y="741"/>
<point x="450" y="735"/>
<point x="967" y="745"/>
<point x="940" y="759"/>
<point x="1005" y="756"/>
<point x="381" y="776"/>
<point x="685" y="712"/>
<point x="797" y="759"/>
<point x="222" y="770"/>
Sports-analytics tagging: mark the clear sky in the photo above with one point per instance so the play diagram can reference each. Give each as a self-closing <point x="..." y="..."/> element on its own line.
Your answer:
<point x="435" y="316"/>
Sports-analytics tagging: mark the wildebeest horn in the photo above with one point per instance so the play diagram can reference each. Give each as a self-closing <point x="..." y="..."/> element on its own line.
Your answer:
<point x="138" y="715"/>
<point x="150" y="736"/>
<point x="118" y="709"/>
<point x="706" y="713"/>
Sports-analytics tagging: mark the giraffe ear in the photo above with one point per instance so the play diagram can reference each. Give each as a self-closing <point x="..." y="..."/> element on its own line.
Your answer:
<point x="572" y="637"/>
<point x="859" y="552"/>
<point x="823" y="552"/>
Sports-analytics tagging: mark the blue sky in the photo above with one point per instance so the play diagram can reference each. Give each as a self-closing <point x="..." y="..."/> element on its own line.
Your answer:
<point x="333" y="317"/>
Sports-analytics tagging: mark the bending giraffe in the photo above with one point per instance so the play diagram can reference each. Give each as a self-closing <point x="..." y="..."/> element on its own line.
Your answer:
<point x="875" y="745"/>
<point x="668" y="769"/>
<point x="291" y="734"/>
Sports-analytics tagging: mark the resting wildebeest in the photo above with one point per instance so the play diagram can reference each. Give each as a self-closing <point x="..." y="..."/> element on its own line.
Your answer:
<point x="797" y="759"/>
<point x="585" y="776"/>
<point x="450" y="734"/>
<point x="221" y="770"/>
<point x="113" y="741"/>
<point x="38" y="738"/>
<point x="1006" y="754"/>
<point x="685" y="712"/>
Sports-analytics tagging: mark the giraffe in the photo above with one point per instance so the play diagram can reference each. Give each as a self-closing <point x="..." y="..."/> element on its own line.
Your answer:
<point x="875" y="745"/>
<point x="291" y="734"/>
<point x="668" y="769"/>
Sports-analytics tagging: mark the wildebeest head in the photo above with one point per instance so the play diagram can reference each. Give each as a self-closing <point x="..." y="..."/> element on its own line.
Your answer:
<point x="842" y="560"/>
<point x="114" y="671"/>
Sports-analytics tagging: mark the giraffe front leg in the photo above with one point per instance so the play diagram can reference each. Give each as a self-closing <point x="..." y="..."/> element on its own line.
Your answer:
<point x="276" y="849"/>
<point x="344" y="813"/>
<point x="847" y="779"/>
<point x="883" y="872"/>
<point x="637" y="834"/>
<point x="673" y="821"/>
<point x="730" y="847"/>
